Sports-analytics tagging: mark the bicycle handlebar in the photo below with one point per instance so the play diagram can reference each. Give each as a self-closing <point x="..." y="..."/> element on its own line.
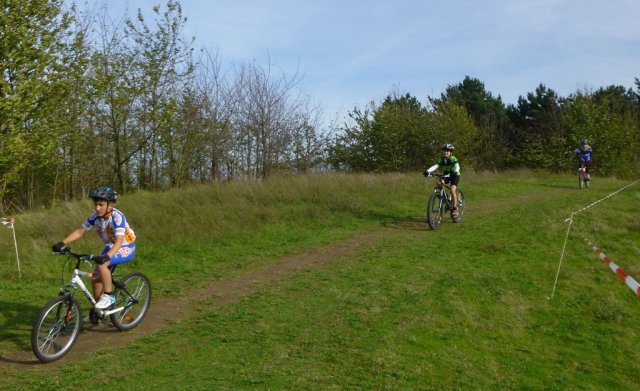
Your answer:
<point x="439" y="175"/>
<point x="79" y="257"/>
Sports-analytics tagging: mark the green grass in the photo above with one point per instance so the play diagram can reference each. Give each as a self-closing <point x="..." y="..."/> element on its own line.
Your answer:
<point x="464" y="307"/>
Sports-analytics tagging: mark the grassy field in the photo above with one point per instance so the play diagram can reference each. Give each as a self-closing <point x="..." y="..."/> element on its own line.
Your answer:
<point x="463" y="307"/>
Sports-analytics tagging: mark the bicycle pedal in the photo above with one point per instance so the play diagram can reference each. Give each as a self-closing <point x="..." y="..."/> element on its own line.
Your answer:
<point x="94" y="317"/>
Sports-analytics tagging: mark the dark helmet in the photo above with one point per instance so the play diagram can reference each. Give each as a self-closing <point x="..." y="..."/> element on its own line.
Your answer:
<point x="104" y="193"/>
<point x="447" y="147"/>
<point x="584" y="142"/>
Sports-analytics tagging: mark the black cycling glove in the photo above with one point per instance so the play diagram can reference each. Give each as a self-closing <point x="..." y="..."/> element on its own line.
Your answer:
<point x="59" y="247"/>
<point x="100" y="259"/>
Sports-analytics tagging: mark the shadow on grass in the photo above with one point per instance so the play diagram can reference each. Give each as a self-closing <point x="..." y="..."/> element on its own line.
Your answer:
<point x="16" y="329"/>
<point x="407" y="223"/>
<point x="561" y="185"/>
<point x="15" y="333"/>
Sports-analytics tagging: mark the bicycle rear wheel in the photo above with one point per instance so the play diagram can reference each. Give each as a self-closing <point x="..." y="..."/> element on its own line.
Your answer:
<point x="56" y="329"/>
<point x="133" y="292"/>
<point x="460" y="206"/>
<point x="435" y="210"/>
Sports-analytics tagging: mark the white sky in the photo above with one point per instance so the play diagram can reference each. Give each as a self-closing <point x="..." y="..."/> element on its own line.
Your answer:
<point x="352" y="52"/>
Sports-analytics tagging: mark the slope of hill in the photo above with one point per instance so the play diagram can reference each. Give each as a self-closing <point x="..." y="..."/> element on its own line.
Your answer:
<point x="336" y="281"/>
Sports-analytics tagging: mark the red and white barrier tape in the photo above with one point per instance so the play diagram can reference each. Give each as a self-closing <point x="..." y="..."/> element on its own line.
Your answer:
<point x="569" y="220"/>
<point x="631" y="283"/>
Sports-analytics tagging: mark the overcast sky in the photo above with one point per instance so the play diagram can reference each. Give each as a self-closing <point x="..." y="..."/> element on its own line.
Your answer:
<point x="352" y="52"/>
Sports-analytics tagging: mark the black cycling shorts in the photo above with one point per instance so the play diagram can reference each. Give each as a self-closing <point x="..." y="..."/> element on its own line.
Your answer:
<point x="453" y="179"/>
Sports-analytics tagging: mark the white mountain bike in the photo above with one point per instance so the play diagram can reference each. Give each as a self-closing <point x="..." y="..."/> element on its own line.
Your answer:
<point x="57" y="327"/>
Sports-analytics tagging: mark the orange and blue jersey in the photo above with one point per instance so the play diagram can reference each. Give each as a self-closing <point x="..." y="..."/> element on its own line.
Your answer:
<point x="110" y="227"/>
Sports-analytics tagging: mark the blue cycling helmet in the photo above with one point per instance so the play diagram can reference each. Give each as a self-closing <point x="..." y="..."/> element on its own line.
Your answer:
<point x="584" y="142"/>
<point x="104" y="193"/>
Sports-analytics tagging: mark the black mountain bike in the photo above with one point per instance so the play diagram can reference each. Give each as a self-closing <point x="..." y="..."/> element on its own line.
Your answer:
<point x="57" y="327"/>
<point x="440" y="202"/>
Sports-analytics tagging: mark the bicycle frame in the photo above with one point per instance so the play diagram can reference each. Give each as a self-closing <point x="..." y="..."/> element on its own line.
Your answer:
<point x="76" y="282"/>
<point x="441" y="201"/>
<point x="444" y="190"/>
<point x="56" y="328"/>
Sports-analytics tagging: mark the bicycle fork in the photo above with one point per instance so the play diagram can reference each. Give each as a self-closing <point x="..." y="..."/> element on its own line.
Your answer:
<point x="444" y="198"/>
<point x="68" y="305"/>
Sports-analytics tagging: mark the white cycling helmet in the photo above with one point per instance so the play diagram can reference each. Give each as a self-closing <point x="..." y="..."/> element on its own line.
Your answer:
<point x="448" y="147"/>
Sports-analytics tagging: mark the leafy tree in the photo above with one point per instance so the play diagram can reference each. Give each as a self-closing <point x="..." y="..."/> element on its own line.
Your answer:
<point x="398" y="135"/>
<point x="614" y="136"/>
<point x="308" y="145"/>
<point x="538" y="120"/>
<point x="452" y="124"/>
<point x="352" y="148"/>
<point x="162" y="64"/>
<point x="114" y="90"/>
<point x="75" y="150"/>
<point x="31" y="45"/>
<point x="401" y="133"/>
<point x="619" y="100"/>
<point x="489" y="115"/>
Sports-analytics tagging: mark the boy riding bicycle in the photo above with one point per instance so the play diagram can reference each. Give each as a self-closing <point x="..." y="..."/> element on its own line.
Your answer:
<point x="112" y="227"/>
<point x="584" y="156"/>
<point x="450" y="166"/>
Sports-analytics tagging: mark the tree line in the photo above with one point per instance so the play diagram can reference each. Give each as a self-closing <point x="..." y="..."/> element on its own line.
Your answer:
<point x="87" y="99"/>
<point x="541" y="131"/>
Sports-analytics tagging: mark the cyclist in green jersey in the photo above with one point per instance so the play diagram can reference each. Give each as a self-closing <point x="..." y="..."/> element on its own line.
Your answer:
<point x="450" y="166"/>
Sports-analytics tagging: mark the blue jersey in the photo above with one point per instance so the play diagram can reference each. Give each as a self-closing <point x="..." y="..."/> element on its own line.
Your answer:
<point x="107" y="229"/>
<point x="584" y="153"/>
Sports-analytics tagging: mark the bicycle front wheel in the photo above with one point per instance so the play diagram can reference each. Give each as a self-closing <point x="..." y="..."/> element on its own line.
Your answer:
<point x="435" y="210"/>
<point x="56" y="329"/>
<point x="133" y="294"/>
<point x="460" y="206"/>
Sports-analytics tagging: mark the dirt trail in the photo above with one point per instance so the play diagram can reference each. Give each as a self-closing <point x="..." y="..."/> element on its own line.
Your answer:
<point x="215" y="294"/>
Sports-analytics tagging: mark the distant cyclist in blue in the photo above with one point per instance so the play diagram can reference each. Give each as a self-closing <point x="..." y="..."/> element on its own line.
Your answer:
<point x="584" y="155"/>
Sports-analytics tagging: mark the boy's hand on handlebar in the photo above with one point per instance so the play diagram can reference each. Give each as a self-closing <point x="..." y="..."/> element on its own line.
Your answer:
<point x="59" y="247"/>
<point x="100" y="259"/>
